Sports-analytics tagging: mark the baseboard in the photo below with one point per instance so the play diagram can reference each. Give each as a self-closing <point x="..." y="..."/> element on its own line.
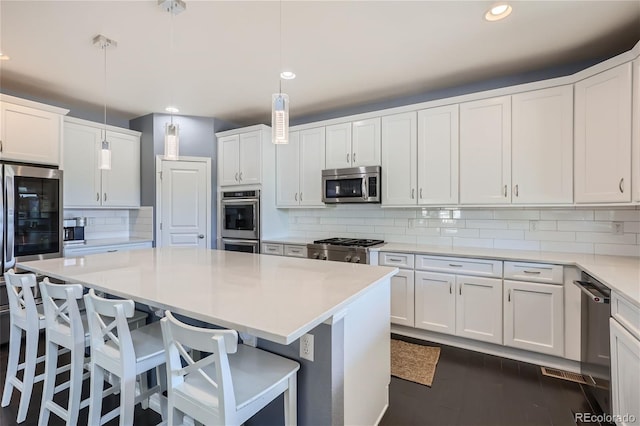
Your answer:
<point x="489" y="348"/>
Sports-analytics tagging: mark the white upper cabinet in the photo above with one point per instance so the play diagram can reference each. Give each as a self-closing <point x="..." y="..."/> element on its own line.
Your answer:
<point x="85" y="185"/>
<point x="399" y="153"/>
<point x="485" y="151"/>
<point x="603" y="137"/>
<point x="240" y="159"/>
<point x="542" y="146"/>
<point x="354" y="144"/>
<point x="438" y="155"/>
<point x="365" y="143"/>
<point x="635" y="133"/>
<point x="29" y="131"/>
<point x="339" y="152"/>
<point x="299" y="166"/>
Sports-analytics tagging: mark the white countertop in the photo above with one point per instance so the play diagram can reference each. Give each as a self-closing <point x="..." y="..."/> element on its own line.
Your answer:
<point x="108" y="242"/>
<point x="620" y="273"/>
<point x="273" y="297"/>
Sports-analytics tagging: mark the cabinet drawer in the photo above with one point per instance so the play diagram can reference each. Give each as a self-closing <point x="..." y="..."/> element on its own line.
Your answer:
<point x="626" y="314"/>
<point x="293" y="250"/>
<point x="275" y="249"/>
<point x="538" y="272"/>
<point x="399" y="260"/>
<point x="463" y="266"/>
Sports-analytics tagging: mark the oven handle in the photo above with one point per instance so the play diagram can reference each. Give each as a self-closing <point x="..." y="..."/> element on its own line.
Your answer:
<point x="240" y="201"/>
<point x="241" y="242"/>
<point x="587" y="288"/>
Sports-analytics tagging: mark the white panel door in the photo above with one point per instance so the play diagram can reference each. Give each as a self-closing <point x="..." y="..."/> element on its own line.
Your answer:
<point x="635" y="132"/>
<point x="438" y="155"/>
<point x="312" y="152"/>
<point x="436" y="302"/>
<point x="121" y="184"/>
<point x="366" y="143"/>
<point x="250" y="167"/>
<point x="229" y="160"/>
<point x="542" y="146"/>
<point x="338" y="146"/>
<point x="485" y="151"/>
<point x="603" y="137"/>
<point x="479" y="308"/>
<point x="82" y="177"/>
<point x="402" y="301"/>
<point x="184" y="204"/>
<point x="524" y="301"/>
<point x="399" y="151"/>
<point x="625" y="374"/>
<point x="288" y="172"/>
<point x="29" y="134"/>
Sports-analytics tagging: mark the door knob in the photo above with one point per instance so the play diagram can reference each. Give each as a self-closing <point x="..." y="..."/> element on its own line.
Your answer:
<point x="201" y="236"/>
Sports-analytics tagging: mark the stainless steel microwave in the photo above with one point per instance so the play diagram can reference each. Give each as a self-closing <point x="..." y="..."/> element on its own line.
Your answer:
<point x="352" y="185"/>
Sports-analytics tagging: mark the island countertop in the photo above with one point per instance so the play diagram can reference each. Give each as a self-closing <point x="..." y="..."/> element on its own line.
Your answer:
<point x="272" y="297"/>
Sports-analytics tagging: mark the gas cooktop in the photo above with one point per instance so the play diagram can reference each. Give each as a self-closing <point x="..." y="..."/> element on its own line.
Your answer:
<point x="349" y="242"/>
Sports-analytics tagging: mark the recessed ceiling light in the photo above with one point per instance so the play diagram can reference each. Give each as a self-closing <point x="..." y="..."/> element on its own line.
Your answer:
<point x="287" y="75"/>
<point x="172" y="110"/>
<point x="4" y="57"/>
<point x="498" y="12"/>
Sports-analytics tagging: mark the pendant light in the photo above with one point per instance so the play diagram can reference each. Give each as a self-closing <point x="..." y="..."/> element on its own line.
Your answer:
<point x="171" y="130"/>
<point x="105" y="152"/>
<point x="280" y="106"/>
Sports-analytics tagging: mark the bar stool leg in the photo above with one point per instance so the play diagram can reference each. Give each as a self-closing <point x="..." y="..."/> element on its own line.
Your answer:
<point x="15" y="338"/>
<point x="31" y="353"/>
<point x="95" y="398"/>
<point x="127" y="396"/>
<point x="75" y="390"/>
<point x="50" y="367"/>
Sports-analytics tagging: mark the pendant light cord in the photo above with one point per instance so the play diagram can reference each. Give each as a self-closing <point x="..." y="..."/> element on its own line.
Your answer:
<point x="171" y="69"/>
<point x="104" y="47"/>
<point x="280" y="70"/>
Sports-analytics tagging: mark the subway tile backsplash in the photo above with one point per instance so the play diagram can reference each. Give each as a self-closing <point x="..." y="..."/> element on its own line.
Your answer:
<point x="125" y="223"/>
<point x="590" y="230"/>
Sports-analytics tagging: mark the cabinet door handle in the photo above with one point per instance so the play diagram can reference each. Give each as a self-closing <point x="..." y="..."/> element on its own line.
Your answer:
<point x="240" y="176"/>
<point x="301" y="196"/>
<point x="347" y="158"/>
<point x="460" y="289"/>
<point x="450" y="288"/>
<point x="295" y="197"/>
<point x="0" y="146"/>
<point x="97" y="196"/>
<point x="516" y="190"/>
<point x="413" y="193"/>
<point x="354" y="158"/>
<point x="105" y="196"/>
<point x="621" y="186"/>
<point x="236" y="176"/>
<point x="509" y="296"/>
<point x="531" y="272"/>
<point x="505" y="191"/>
<point x="421" y="193"/>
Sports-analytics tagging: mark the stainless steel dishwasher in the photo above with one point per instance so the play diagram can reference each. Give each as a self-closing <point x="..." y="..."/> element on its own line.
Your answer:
<point x="595" y="360"/>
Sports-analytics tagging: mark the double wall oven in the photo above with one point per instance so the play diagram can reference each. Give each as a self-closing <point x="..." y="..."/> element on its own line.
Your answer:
<point x="30" y="223"/>
<point x="240" y="227"/>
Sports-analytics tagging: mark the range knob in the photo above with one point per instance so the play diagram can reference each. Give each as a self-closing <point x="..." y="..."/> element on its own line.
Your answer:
<point x="316" y="255"/>
<point x="347" y="258"/>
<point x="356" y="259"/>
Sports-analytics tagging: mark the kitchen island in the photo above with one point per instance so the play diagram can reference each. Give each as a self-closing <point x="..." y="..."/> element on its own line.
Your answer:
<point x="277" y="299"/>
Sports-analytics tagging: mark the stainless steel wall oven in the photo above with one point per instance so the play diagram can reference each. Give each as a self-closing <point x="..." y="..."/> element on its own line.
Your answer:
<point x="240" y="227"/>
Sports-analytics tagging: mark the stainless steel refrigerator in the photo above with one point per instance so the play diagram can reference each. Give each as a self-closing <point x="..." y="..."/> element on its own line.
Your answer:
<point x="31" y="221"/>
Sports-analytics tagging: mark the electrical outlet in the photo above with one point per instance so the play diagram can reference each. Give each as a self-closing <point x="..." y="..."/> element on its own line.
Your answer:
<point x="306" y="347"/>
<point x="617" y="228"/>
<point x="533" y="225"/>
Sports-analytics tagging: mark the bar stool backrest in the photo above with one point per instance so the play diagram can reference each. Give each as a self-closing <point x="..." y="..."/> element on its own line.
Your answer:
<point x="61" y="311"/>
<point x="22" y="305"/>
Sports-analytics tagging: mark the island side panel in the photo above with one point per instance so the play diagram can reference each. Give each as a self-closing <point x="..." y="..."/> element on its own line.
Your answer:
<point x="315" y="401"/>
<point x="367" y="356"/>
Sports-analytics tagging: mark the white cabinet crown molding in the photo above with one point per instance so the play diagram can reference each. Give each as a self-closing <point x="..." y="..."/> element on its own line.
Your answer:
<point x="33" y="104"/>
<point x="109" y="127"/>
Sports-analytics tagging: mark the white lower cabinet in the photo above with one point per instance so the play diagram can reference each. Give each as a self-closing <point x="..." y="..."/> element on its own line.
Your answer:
<point x="83" y="251"/>
<point x="534" y="317"/>
<point x="289" y="250"/>
<point x="465" y="306"/>
<point x="402" y="298"/>
<point x="625" y="375"/>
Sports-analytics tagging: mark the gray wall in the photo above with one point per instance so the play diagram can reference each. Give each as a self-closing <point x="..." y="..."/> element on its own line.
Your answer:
<point x="197" y="139"/>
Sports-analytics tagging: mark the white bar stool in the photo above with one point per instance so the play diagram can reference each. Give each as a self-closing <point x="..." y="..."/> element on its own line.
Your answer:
<point x="223" y="389"/>
<point x="25" y="316"/>
<point x="123" y="353"/>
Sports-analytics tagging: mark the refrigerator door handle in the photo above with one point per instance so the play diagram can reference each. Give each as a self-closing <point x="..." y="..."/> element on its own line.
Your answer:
<point x="2" y="215"/>
<point x="9" y="259"/>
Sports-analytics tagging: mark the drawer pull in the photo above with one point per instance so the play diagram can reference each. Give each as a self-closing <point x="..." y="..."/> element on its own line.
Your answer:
<point x="295" y="251"/>
<point x="455" y="265"/>
<point x="531" y="272"/>
<point x="111" y="251"/>
<point x="391" y="259"/>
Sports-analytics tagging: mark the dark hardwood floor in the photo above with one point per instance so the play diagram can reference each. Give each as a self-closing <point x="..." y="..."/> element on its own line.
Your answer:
<point x="469" y="388"/>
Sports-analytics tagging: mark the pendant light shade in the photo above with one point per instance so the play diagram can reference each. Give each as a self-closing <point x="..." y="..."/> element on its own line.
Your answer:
<point x="171" y="141"/>
<point x="105" y="155"/>
<point x="104" y="43"/>
<point x="280" y="118"/>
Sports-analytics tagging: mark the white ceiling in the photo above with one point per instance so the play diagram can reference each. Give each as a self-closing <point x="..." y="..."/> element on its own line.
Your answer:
<point x="346" y="53"/>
